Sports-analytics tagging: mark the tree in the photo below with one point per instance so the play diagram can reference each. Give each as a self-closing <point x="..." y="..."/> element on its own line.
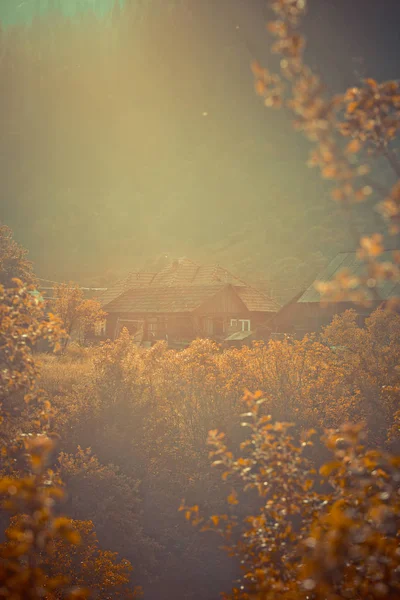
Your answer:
<point x="27" y="486"/>
<point x="13" y="261"/>
<point x="369" y="356"/>
<point x="346" y="131"/>
<point x="333" y="539"/>
<point x="341" y="541"/>
<point x="22" y="326"/>
<point x="35" y="561"/>
<point x="34" y="527"/>
<point x="53" y="552"/>
<point x="86" y="565"/>
<point x="77" y="314"/>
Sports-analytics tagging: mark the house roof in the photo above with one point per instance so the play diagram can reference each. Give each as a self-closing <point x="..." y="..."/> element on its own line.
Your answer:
<point x="186" y="271"/>
<point x="256" y="301"/>
<point x="166" y="299"/>
<point x="349" y="260"/>
<point x="133" y="280"/>
<point x="182" y="275"/>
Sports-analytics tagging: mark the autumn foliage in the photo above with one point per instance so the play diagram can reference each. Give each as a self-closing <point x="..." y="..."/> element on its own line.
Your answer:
<point x="13" y="260"/>
<point x="332" y="534"/>
<point x="155" y="407"/>
<point x="348" y="132"/>
<point x="78" y="315"/>
<point x="349" y="373"/>
<point x="35" y="560"/>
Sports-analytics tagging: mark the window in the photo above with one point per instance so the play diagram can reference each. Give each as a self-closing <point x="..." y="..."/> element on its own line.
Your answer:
<point x="152" y="327"/>
<point x="245" y="323"/>
<point x="241" y="324"/>
<point x="100" y="328"/>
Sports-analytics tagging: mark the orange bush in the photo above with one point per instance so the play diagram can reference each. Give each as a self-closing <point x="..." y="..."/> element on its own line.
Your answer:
<point x="307" y="541"/>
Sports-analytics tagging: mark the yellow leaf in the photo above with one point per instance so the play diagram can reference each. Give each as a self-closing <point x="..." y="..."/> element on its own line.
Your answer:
<point x="260" y="87"/>
<point x="372" y="83"/>
<point x="257" y="69"/>
<point x="73" y="537"/>
<point x="352" y="107"/>
<point x="328" y="468"/>
<point x="353" y="147"/>
<point x="337" y="194"/>
<point x="372" y="246"/>
<point x="232" y="498"/>
<point x="329" y="172"/>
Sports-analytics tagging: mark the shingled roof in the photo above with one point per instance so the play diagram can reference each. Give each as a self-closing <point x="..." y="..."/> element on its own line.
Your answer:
<point x="349" y="261"/>
<point x="133" y="280"/>
<point x="256" y="301"/>
<point x="166" y="299"/>
<point x="181" y="283"/>
<point x="186" y="271"/>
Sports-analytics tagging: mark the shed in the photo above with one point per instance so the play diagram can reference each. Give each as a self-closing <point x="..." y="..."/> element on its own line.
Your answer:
<point x="305" y="313"/>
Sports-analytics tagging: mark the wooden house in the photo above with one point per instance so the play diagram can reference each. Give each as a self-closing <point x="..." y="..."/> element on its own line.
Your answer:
<point x="305" y="313"/>
<point x="183" y="301"/>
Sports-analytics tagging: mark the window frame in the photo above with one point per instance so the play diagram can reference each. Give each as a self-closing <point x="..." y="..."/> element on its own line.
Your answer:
<point x="100" y="328"/>
<point x="247" y="322"/>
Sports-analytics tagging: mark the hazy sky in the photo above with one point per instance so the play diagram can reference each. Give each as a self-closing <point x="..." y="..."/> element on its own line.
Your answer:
<point x="346" y="37"/>
<point x="210" y="137"/>
<point x="15" y="11"/>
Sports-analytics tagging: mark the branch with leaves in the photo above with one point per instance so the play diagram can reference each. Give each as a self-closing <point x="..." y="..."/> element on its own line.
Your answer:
<point x="363" y="122"/>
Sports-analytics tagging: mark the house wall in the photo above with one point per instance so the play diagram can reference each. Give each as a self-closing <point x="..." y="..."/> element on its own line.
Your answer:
<point x="224" y="304"/>
<point x="212" y="319"/>
<point x="180" y="326"/>
<point x="258" y="321"/>
<point x="155" y="325"/>
<point x="301" y="317"/>
<point x="259" y="318"/>
<point x="111" y="324"/>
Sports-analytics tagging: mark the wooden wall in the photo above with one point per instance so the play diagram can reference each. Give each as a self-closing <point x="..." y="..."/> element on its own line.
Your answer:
<point x="224" y="304"/>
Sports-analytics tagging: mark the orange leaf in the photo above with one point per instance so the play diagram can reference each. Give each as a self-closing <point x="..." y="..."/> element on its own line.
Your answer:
<point x="232" y="498"/>
<point x="353" y="147"/>
<point x="328" y="468"/>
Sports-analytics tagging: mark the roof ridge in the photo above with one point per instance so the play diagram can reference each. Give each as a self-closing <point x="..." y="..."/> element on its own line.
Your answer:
<point x="189" y="260"/>
<point x="218" y="266"/>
